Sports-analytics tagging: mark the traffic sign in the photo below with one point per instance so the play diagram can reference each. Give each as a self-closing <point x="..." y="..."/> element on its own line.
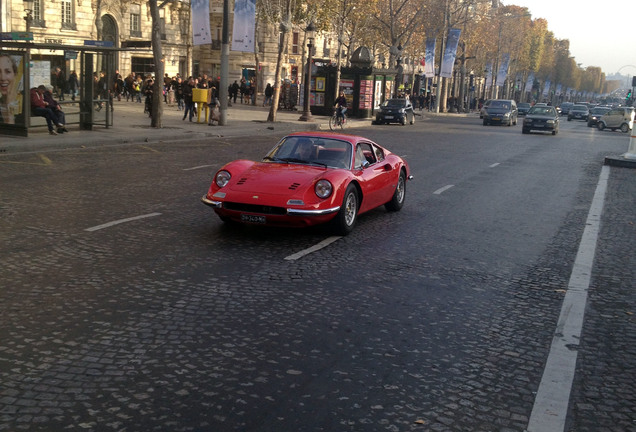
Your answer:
<point x="96" y="43"/>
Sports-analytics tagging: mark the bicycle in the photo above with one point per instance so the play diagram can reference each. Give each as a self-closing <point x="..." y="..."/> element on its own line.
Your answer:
<point x="337" y="121"/>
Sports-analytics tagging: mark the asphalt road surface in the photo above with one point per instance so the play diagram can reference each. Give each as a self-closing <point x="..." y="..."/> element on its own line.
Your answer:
<point x="127" y="305"/>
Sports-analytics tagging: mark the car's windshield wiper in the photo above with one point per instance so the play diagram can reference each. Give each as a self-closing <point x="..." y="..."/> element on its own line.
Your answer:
<point x="273" y="159"/>
<point x="296" y="160"/>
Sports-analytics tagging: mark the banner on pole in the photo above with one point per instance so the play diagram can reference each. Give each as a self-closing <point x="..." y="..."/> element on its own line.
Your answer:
<point x="503" y="69"/>
<point x="489" y="74"/>
<point x="201" y="22"/>
<point x="244" y="24"/>
<point x="450" y="53"/>
<point x="529" y="82"/>
<point x="429" y="67"/>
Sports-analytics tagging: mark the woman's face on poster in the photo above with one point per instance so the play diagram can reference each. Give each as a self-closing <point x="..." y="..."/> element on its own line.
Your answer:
<point x="7" y="74"/>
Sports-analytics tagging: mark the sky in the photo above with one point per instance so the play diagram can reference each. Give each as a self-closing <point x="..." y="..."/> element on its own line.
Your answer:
<point x="590" y="26"/>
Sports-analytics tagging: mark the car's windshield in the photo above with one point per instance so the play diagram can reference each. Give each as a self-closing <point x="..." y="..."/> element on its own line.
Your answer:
<point x="542" y="110"/>
<point x="312" y="150"/>
<point x="394" y="103"/>
<point x="599" y="110"/>
<point x="500" y="104"/>
<point x="523" y="105"/>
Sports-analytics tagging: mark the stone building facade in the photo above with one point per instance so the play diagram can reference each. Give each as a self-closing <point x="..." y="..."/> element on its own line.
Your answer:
<point x="128" y="24"/>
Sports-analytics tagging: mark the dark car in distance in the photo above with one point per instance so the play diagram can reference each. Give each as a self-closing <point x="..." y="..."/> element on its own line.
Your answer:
<point x="523" y="108"/>
<point x="578" y="112"/>
<point x="595" y="115"/>
<point x="566" y="107"/>
<point x="501" y="111"/>
<point x="395" y="111"/>
<point x="542" y="118"/>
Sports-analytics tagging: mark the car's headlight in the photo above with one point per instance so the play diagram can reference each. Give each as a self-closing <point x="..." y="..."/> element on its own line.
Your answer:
<point x="506" y="115"/>
<point x="323" y="188"/>
<point x="402" y="110"/>
<point x="527" y="120"/>
<point x="222" y="178"/>
<point x="550" y="122"/>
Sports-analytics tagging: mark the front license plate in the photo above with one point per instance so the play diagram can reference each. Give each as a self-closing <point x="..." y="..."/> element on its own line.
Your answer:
<point x="496" y="118"/>
<point x="253" y="219"/>
<point x="388" y="117"/>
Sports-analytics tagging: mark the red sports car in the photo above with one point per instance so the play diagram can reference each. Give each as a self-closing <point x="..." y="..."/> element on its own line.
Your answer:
<point x="310" y="178"/>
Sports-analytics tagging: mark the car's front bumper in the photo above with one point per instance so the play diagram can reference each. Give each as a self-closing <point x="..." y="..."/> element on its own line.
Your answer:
<point x="276" y="216"/>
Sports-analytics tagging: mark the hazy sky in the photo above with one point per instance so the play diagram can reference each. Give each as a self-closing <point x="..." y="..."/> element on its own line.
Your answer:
<point x="590" y="26"/>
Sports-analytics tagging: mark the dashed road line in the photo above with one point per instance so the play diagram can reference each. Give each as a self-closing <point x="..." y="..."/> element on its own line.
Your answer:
<point x="442" y="190"/>
<point x="494" y="165"/>
<point x="326" y="242"/>
<point x="197" y="167"/>
<point x="551" y="404"/>
<point x="120" y="221"/>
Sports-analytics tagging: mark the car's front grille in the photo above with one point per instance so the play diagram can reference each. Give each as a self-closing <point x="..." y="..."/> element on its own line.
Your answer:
<point x="254" y="208"/>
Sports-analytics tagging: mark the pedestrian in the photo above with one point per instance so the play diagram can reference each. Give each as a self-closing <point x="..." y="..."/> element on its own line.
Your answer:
<point x="73" y="84"/>
<point x="178" y="92"/>
<point x="187" y="98"/>
<point x="269" y="92"/>
<point x="234" y="90"/>
<point x="148" y="91"/>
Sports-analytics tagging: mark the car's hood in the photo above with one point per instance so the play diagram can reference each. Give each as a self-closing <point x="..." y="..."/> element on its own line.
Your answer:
<point x="540" y="117"/>
<point x="497" y="110"/>
<point x="276" y="178"/>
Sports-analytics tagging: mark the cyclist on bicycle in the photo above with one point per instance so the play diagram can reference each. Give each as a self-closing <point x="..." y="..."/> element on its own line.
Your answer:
<point x="341" y="104"/>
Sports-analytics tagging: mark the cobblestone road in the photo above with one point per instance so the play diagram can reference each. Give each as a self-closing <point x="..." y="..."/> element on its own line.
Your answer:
<point x="171" y="325"/>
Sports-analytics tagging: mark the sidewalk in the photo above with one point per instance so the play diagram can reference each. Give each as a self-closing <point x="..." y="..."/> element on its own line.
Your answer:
<point x="130" y="125"/>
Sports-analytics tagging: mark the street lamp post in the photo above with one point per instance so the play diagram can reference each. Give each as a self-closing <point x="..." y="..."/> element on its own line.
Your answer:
<point x="306" y="116"/>
<point x="28" y="10"/>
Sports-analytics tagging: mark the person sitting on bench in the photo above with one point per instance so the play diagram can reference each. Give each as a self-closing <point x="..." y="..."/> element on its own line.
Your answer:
<point x="40" y="108"/>
<point x="58" y="115"/>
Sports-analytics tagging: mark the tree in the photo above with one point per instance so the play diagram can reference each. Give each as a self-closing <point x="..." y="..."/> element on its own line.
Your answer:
<point x="156" y="119"/>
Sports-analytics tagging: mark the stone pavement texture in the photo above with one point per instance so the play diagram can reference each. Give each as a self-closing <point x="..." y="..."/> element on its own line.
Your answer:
<point x="130" y="124"/>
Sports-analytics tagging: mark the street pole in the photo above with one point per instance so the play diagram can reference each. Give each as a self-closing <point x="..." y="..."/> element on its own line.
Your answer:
<point x="306" y="115"/>
<point x="225" y="61"/>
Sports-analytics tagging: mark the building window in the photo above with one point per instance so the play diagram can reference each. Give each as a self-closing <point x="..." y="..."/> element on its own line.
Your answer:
<point x="295" y="47"/>
<point x="38" y="14"/>
<point x="68" y="15"/>
<point x="162" y="23"/>
<point x="135" y="20"/>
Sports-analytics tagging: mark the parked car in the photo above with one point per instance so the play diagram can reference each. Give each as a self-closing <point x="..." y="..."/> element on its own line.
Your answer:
<point x="565" y="108"/>
<point x="502" y="111"/>
<point x="595" y="114"/>
<point x="523" y="108"/>
<point x="310" y="178"/>
<point x="395" y="111"/>
<point x="483" y="108"/>
<point x="578" y="112"/>
<point x="617" y="118"/>
<point x="543" y="118"/>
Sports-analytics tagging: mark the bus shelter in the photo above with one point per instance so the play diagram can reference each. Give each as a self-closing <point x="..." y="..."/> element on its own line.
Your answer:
<point x="31" y="71"/>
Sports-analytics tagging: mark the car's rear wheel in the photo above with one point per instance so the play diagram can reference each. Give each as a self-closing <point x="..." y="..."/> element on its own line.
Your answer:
<point x="397" y="201"/>
<point x="600" y="126"/>
<point x="347" y="217"/>
<point x="624" y="128"/>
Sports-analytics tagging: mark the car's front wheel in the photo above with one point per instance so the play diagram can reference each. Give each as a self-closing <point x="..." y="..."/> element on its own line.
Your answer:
<point x="397" y="201"/>
<point x="624" y="128"/>
<point x="600" y="126"/>
<point x="347" y="217"/>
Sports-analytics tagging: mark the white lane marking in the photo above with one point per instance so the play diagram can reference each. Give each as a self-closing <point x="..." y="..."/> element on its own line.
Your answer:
<point x="197" y="167"/>
<point x="120" y="221"/>
<point x="441" y="190"/>
<point x="551" y="404"/>
<point x="326" y="242"/>
<point x="494" y="165"/>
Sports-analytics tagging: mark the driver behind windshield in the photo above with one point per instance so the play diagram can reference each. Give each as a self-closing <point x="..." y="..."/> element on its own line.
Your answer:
<point x="304" y="150"/>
